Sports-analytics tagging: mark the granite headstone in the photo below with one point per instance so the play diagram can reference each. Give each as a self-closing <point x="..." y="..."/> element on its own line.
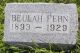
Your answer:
<point x="41" y="23"/>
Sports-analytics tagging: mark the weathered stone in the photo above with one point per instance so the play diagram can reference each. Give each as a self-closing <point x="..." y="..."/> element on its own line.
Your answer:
<point x="41" y="23"/>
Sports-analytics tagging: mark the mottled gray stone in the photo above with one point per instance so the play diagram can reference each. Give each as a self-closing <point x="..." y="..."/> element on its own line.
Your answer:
<point x="41" y="36"/>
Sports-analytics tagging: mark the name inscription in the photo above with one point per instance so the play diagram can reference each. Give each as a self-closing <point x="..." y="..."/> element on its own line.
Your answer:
<point x="39" y="22"/>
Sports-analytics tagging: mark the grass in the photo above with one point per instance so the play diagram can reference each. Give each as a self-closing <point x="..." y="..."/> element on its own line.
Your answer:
<point x="5" y="48"/>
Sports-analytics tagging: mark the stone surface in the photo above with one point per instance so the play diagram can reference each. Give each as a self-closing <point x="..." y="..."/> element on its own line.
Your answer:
<point x="40" y="23"/>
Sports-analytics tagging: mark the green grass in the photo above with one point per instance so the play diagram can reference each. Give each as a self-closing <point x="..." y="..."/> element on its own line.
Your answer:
<point x="5" y="48"/>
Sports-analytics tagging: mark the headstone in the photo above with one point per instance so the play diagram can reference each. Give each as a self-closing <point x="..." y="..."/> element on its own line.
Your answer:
<point x="41" y="23"/>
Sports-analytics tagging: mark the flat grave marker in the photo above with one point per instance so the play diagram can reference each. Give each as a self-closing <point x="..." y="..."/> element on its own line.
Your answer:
<point x="41" y="22"/>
